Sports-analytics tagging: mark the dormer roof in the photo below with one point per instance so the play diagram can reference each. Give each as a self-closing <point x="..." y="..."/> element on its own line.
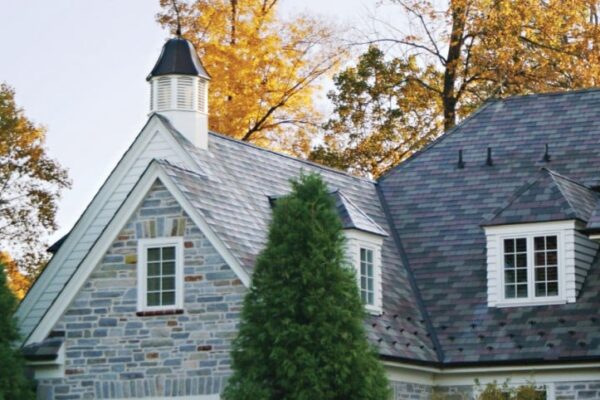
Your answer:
<point x="178" y="56"/>
<point x="549" y="196"/>
<point x="353" y="217"/>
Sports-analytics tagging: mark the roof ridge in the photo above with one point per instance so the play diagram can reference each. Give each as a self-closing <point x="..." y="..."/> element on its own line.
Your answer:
<point x="515" y="195"/>
<point x="293" y="158"/>
<point x="440" y="138"/>
<point x="550" y="93"/>
<point x="554" y="173"/>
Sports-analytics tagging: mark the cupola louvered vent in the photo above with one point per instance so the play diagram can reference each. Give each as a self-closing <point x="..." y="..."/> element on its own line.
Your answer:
<point x="185" y="93"/>
<point x="151" y="97"/>
<point x="202" y="105"/>
<point x="164" y="93"/>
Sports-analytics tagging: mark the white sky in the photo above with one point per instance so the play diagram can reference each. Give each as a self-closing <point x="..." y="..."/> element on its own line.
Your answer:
<point x="79" y="68"/>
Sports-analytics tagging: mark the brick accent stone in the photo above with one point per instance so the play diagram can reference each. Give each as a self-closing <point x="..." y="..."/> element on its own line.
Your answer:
<point x="113" y="353"/>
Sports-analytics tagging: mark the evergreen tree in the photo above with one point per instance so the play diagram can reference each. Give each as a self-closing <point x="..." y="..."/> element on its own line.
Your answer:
<point x="13" y="383"/>
<point x="301" y="334"/>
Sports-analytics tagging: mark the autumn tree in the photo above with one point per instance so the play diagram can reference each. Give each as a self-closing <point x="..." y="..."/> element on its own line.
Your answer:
<point x="456" y="54"/>
<point x="301" y="332"/>
<point x="30" y="184"/>
<point x="266" y="70"/>
<point x="17" y="281"/>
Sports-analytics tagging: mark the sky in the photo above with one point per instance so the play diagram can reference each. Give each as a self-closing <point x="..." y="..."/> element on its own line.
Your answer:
<point x="79" y="69"/>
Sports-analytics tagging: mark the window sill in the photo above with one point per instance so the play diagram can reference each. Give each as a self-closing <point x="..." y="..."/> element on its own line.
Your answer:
<point x="153" y="313"/>
<point x="530" y="303"/>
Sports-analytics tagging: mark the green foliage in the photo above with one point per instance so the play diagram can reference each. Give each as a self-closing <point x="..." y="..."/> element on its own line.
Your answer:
<point x="30" y="184"/>
<point x="301" y="333"/>
<point x="13" y="384"/>
<point x="383" y="112"/>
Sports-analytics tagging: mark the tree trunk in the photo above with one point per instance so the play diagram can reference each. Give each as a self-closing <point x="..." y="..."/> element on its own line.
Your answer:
<point x="449" y="96"/>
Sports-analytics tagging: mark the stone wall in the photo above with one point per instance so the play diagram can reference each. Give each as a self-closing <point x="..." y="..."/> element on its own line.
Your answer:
<point x="412" y="391"/>
<point x="113" y="353"/>
<point x="577" y="390"/>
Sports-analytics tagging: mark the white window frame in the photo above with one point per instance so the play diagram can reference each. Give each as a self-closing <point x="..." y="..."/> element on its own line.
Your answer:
<point x="495" y="247"/>
<point x="355" y="240"/>
<point x="143" y="245"/>
<point x="531" y="297"/>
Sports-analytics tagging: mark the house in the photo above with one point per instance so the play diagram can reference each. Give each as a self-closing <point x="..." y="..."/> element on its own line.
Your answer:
<point x="476" y="259"/>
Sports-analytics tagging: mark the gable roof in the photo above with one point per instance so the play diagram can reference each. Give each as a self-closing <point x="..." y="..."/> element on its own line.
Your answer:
<point x="353" y="217"/>
<point x="549" y="197"/>
<point x="229" y="187"/>
<point x="437" y="210"/>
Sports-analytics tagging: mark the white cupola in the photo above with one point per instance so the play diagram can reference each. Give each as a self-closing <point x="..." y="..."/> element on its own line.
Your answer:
<point x="179" y="90"/>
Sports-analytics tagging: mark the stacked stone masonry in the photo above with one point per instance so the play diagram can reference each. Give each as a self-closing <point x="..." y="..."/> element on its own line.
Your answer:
<point x="111" y="353"/>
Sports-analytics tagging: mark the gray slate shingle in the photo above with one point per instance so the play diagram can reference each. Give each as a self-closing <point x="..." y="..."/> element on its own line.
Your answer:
<point x="438" y="210"/>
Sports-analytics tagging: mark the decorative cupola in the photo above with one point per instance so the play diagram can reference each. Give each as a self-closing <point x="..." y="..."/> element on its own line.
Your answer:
<point x="179" y="90"/>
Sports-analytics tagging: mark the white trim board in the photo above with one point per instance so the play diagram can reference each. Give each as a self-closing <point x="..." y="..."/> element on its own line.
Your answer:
<point x="124" y="213"/>
<point x="153" y="127"/>
<point x="543" y="374"/>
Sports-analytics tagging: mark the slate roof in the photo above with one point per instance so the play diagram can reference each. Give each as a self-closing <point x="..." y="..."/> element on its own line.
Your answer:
<point x="43" y="351"/>
<point x="231" y="189"/>
<point x="433" y="213"/>
<point x="353" y="217"/>
<point x="549" y="197"/>
<point x="437" y="210"/>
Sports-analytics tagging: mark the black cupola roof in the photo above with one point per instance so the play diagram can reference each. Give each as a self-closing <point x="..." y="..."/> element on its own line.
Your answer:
<point x="178" y="56"/>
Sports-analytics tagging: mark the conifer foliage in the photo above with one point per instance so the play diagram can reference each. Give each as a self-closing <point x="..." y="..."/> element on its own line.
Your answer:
<point x="301" y="333"/>
<point x="13" y="384"/>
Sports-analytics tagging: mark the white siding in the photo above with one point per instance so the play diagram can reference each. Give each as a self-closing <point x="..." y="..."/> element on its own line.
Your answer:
<point x="578" y="254"/>
<point x="151" y="143"/>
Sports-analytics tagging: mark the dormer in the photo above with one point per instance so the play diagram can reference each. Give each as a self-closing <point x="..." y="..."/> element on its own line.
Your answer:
<point x="179" y="90"/>
<point x="364" y="241"/>
<point x="538" y="252"/>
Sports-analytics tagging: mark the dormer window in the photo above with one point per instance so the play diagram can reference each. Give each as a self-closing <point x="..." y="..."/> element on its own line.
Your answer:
<point x="531" y="267"/>
<point x="367" y="276"/>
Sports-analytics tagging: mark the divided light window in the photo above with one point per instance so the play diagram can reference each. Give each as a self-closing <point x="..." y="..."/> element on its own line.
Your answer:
<point x="160" y="274"/>
<point x="531" y="267"/>
<point x="367" y="276"/>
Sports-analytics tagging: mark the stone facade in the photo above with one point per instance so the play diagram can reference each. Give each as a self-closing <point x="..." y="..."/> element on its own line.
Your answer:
<point x="111" y="352"/>
<point x="412" y="391"/>
<point x="577" y="390"/>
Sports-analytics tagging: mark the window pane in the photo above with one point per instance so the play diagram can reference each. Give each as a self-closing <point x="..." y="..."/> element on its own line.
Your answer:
<point x="370" y="299"/>
<point x="168" y="253"/>
<point x="363" y="283"/>
<point x="540" y="258"/>
<point x="551" y="242"/>
<point x="552" y="258"/>
<point x="370" y="270"/>
<point x="509" y="245"/>
<point x="552" y="273"/>
<point x="153" y="284"/>
<point x="168" y="283"/>
<point x="540" y="274"/>
<point x="521" y="275"/>
<point x="168" y="268"/>
<point x="509" y="261"/>
<point x="363" y="296"/>
<point x="363" y="268"/>
<point x="522" y="290"/>
<point x="539" y="243"/>
<point x="540" y="289"/>
<point x="153" y="268"/>
<point x="553" y="289"/>
<point x="153" y="299"/>
<point x="154" y="254"/>
<point x="370" y="285"/>
<point x="521" y="244"/>
<point x="168" y="298"/>
<point x="363" y="254"/>
<point x="509" y="276"/>
<point x="522" y="260"/>
<point x="509" y="291"/>
<point x="370" y="256"/>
